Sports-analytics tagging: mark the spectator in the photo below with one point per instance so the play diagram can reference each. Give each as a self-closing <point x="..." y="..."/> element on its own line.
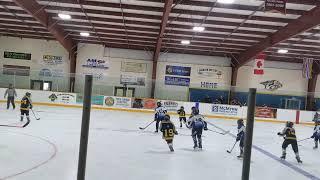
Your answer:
<point x="11" y="92"/>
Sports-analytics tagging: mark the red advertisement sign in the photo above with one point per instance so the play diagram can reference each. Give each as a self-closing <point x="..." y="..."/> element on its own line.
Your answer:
<point x="266" y="112"/>
<point x="149" y="103"/>
<point x="259" y="64"/>
<point x="277" y="6"/>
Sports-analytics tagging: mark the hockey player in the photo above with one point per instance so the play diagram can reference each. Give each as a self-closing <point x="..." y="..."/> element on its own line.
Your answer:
<point x="168" y="131"/>
<point x="316" y="134"/>
<point x="241" y="136"/>
<point x="26" y="105"/>
<point x="289" y="135"/>
<point x="182" y="115"/>
<point x="160" y="112"/>
<point x="197" y="124"/>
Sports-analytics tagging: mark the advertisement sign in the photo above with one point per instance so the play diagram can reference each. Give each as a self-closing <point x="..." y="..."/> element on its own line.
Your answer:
<point x="134" y="67"/>
<point x="209" y="85"/>
<point x="64" y="98"/>
<point x="178" y="70"/>
<point x="171" y="105"/>
<point x="17" y="55"/>
<point x="205" y="71"/>
<point x="259" y="65"/>
<point x="95" y="63"/>
<point x="266" y="112"/>
<point x="146" y="103"/>
<point x="16" y="70"/>
<point x="224" y="109"/>
<point x="132" y="80"/>
<point x="176" y="81"/>
<point x="121" y="102"/>
<point x="95" y="100"/>
<point x="277" y="6"/>
<point x="271" y="85"/>
<point x="52" y="60"/>
<point x="45" y="73"/>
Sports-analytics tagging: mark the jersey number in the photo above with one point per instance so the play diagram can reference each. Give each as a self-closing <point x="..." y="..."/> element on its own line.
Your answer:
<point x="168" y="133"/>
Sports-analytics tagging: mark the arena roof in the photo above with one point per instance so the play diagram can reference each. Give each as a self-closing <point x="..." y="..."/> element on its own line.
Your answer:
<point x="240" y="30"/>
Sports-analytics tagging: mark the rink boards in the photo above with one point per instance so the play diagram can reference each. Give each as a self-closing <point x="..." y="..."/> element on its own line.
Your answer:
<point x="265" y="114"/>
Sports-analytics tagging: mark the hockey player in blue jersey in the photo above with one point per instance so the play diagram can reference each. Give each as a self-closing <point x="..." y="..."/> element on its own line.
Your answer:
<point x="160" y="112"/>
<point x="316" y="134"/>
<point x="196" y="123"/>
<point x="240" y="136"/>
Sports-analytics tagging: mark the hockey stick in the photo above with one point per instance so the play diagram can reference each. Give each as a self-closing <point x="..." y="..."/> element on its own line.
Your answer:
<point x="15" y="126"/>
<point x="143" y="128"/>
<point x="229" y="151"/>
<point x="34" y="115"/>
<point x="304" y="139"/>
<point x="224" y="133"/>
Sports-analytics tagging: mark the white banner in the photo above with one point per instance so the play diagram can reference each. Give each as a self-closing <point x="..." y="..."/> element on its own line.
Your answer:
<point x="172" y="106"/>
<point x="132" y="80"/>
<point x="120" y="102"/>
<point x="63" y="98"/>
<point x="134" y="67"/>
<point x="210" y="71"/>
<point x="52" y="60"/>
<point x="96" y="64"/>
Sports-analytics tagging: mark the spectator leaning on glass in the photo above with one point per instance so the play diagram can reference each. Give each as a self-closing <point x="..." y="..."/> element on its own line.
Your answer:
<point x="11" y="93"/>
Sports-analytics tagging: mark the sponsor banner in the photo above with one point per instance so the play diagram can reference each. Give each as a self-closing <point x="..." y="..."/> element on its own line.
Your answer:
<point x="95" y="100"/>
<point x="259" y="65"/>
<point x="225" y="110"/>
<point x="176" y="81"/>
<point x="277" y="6"/>
<point x="96" y="63"/>
<point x="64" y="98"/>
<point x="208" y="85"/>
<point x="120" y="102"/>
<point x="134" y="67"/>
<point x="51" y="73"/>
<point x="16" y="70"/>
<point x="149" y="103"/>
<point x="172" y="105"/>
<point x="45" y="73"/>
<point x="272" y="85"/>
<point x="52" y="60"/>
<point x="178" y="70"/>
<point x="132" y="80"/>
<point x="207" y="71"/>
<point x="266" y="112"/>
<point x="146" y="103"/>
<point x="17" y="55"/>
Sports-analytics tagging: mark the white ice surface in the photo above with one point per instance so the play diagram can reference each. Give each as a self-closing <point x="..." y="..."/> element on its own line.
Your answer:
<point x="118" y="150"/>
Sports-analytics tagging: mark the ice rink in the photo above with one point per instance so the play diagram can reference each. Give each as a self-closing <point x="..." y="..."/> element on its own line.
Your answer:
<point x="48" y="149"/>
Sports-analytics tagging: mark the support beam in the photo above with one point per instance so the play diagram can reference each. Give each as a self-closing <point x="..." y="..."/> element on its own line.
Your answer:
<point x="312" y="83"/>
<point x="234" y="76"/>
<point x="306" y="22"/>
<point x="38" y="12"/>
<point x="165" y="17"/>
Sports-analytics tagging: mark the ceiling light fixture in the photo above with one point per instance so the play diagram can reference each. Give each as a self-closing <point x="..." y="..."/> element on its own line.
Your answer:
<point x="84" y="34"/>
<point x="226" y="1"/>
<point x="282" y="51"/>
<point x="64" y="16"/>
<point x="198" y="28"/>
<point x="185" y="42"/>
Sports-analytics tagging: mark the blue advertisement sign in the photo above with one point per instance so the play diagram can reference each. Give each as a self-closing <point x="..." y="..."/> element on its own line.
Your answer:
<point x="177" y="81"/>
<point x="178" y="70"/>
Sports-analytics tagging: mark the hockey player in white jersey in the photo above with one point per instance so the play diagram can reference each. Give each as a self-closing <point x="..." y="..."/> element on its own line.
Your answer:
<point x="159" y="115"/>
<point x="197" y="124"/>
<point x="316" y="134"/>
